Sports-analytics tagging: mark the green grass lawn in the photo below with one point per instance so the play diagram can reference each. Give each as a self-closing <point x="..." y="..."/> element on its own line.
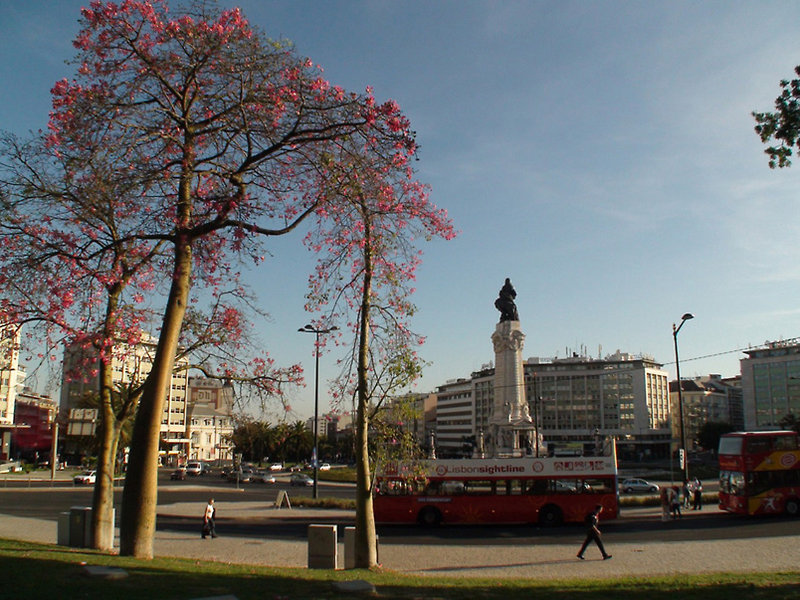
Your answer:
<point x="34" y="571"/>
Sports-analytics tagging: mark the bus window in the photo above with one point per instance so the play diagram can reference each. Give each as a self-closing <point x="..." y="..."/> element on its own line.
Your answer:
<point x="760" y="482"/>
<point x="786" y="442"/>
<point x="434" y="488"/>
<point x="564" y="486"/>
<point x="597" y="486"/>
<point x="452" y="488"/>
<point x="480" y="488"/>
<point x="536" y="487"/>
<point x="730" y="445"/>
<point x="758" y="445"/>
<point x="724" y="482"/>
<point x="509" y="487"/>
<point x="398" y="487"/>
<point x="737" y="482"/>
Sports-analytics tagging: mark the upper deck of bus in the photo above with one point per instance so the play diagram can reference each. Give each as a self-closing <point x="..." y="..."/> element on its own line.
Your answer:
<point x="759" y="450"/>
<point x="503" y="468"/>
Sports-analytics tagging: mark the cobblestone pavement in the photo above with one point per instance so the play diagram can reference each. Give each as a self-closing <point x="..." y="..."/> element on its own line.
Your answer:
<point x="545" y="561"/>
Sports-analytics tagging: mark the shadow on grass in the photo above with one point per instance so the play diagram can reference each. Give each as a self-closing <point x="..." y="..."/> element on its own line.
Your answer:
<point x="34" y="571"/>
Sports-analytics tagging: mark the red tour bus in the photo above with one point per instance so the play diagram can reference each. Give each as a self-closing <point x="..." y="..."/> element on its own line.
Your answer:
<point x="760" y="472"/>
<point x="548" y="491"/>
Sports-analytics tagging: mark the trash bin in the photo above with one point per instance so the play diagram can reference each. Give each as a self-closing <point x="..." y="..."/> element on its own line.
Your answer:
<point x="80" y="526"/>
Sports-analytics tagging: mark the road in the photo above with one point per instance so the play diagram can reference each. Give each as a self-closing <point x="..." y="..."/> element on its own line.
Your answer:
<point x="635" y="525"/>
<point x="45" y="499"/>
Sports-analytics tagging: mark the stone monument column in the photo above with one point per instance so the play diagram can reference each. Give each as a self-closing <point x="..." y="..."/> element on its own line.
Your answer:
<point x="510" y="423"/>
<point x="509" y="379"/>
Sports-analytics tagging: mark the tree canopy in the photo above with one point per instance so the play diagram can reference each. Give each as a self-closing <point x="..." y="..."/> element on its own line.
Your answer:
<point x="781" y="128"/>
<point x="181" y="144"/>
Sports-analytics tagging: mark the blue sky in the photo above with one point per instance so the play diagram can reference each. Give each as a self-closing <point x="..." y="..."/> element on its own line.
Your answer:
<point x="600" y="154"/>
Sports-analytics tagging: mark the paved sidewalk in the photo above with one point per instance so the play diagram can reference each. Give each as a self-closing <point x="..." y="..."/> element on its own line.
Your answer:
<point x="546" y="561"/>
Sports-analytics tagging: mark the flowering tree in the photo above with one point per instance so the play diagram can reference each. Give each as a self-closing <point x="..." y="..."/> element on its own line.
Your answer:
<point x="71" y="269"/>
<point x="367" y="233"/>
<point x="74" y="273"/>
<point x="220" y="139"/>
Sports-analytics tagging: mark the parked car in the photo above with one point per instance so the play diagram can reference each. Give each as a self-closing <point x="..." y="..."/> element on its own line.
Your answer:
<point x="85" y="478"/>
<point x="629" y="486"/>
<point x="276" y="467"/>
<point x="301" y="479"/>
<point x="179" y="474"/>
<point x="262" y="477"/>
<point x="296" y="468"/>
<point x="325" y="467"/>
<point x="242" y="476"/>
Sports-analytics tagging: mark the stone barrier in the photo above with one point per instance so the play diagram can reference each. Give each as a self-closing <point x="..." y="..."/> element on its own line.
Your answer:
<point x="322" y="547"/>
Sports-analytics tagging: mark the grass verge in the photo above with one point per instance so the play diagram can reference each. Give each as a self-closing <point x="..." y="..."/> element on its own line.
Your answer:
<point x="34" y="571"/>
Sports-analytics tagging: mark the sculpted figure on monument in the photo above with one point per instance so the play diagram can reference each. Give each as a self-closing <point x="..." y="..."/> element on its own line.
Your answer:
<point x="505" y="302"/>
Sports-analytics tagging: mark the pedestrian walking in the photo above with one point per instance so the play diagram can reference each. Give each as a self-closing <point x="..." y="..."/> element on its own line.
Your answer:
<point x="697" y="491"/>
<point x="687" y="496"/>
<point x="593" y="533"/>
<point x="675" y="502"/>
<point x="209" y="516"/>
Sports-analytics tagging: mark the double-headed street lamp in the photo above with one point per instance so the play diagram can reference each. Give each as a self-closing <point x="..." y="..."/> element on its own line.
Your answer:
<point x="682" y="449"/>
<point x="316" y="332"/>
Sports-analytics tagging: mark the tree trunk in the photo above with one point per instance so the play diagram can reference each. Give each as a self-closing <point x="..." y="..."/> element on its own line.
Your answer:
<point x="140" y="496"/>
<point x="103" y="495"/>
<point x="366" y="550"/>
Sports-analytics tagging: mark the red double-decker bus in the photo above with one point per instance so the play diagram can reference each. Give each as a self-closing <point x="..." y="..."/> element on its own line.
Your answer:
<point x="546" y="491"/>
<point x="760" y="472"/>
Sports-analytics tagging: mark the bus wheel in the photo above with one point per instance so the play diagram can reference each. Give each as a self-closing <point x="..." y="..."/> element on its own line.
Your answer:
<point x="792" y="507"/>
<point x="550" y="516"/>
<point x="429" y="517"/>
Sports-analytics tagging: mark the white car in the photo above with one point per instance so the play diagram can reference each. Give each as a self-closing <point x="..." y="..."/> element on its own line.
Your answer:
<point x="85" y="478"/>
<point x="629" y="486"/>
<point x="325" y="467"/>
<point x="197" y="468"/>
<point x="276" y="467"/>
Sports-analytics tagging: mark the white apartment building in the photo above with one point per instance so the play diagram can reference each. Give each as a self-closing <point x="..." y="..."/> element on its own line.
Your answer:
<point x="12" y="377"/>
<point x="131" y="365"/>
<point x="210" y="420"/>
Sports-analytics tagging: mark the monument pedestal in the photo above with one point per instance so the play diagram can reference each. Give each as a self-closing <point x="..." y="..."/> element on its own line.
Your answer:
<point x="511" y="428"/>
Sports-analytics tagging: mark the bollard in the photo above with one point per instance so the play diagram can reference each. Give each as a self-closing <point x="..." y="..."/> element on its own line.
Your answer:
<point x="322" y="547"/>
<point x="63" y="529"/>
<point x="350" y="547"/>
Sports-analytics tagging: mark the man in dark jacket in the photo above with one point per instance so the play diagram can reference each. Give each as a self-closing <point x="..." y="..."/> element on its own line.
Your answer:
<point x="593" y="533"/>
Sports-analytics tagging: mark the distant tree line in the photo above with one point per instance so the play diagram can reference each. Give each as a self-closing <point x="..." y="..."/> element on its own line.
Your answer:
<point x="260" y="441"/>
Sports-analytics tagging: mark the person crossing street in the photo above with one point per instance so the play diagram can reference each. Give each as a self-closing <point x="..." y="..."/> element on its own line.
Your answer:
<point x="593" y="533"/>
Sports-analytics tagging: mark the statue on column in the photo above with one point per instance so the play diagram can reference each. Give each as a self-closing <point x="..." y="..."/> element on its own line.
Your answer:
<point x="505" y="302"/>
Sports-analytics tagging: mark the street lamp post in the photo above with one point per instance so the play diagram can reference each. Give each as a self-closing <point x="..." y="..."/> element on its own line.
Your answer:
<point x="316" y="332"/>
<point x="682" y="449"/>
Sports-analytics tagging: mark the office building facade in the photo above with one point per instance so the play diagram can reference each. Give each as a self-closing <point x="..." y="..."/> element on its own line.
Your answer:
<point x="573" y="402"/>
<point x="771" y="384"/>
